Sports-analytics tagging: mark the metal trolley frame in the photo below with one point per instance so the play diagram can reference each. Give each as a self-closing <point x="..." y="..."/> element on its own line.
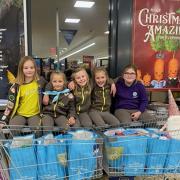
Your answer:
<point x="142" y="151"/>
<point x="60" y="156"/>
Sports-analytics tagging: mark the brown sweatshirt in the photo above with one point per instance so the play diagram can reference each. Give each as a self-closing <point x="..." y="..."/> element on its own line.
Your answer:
<point x="63" y="106"/>
<point x="83" y="98"/>
<point x="101" y="98"/>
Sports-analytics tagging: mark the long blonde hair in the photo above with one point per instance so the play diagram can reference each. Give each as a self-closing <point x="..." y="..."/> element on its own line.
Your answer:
<point x="20" y="79"/>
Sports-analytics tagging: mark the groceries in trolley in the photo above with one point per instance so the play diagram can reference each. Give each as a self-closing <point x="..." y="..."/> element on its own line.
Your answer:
<point x="125" y="151"/>
<point x="139" y="152"/>
<point x="74" y="155"/>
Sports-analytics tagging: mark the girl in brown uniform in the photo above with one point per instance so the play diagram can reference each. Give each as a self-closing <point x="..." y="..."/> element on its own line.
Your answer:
<point x="59" y="104"/>
<point x="82" y="93"/>
<point x="101" y="100"/>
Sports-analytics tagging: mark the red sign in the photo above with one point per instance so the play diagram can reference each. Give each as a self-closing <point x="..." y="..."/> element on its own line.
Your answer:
<point x="156" y="42"/>
<point x="53" y="51"/>
<point x="88" y="60"/>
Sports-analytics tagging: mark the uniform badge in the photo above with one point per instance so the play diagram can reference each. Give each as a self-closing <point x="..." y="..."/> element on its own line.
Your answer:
<point x="70" y="96"/>
<point x="10" y="104"/>
<point x="11" y="97"/>
<point x="134" y="94"/>
<point x="7" y="112"/>
<point x="12" y="90"/>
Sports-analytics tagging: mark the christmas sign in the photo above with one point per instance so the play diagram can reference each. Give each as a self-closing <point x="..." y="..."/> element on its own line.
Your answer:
<point x="156" y="43"/>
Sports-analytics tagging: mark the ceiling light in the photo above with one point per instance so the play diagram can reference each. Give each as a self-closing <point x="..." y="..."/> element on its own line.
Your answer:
<point x="82" y="49"/>
<point x="70" y="20"/>
<point x="3" y="29"/>
<point x="84" y="4"/>
<point x="106" y="32"/>
<point x="105" y="57"/>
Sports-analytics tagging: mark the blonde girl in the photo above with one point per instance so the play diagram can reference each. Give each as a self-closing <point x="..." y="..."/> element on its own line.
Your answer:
<point x="59" y="106"/>
<point x="24" y="99"/>
<point x="101" y="100"/>
<point x="82" y="93"/>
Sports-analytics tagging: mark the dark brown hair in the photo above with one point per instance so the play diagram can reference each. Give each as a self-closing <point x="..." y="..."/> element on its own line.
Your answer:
<point x="130" y="66"/>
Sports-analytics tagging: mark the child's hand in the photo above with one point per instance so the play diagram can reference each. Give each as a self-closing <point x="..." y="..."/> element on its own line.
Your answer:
<point x="113" y="89"/>
<point x="71" y="121"/>
<point x="71" y="85"/>
<point x="135" y="116"/>
<point x="46" y="100"/>
<point x="2" y="124"/>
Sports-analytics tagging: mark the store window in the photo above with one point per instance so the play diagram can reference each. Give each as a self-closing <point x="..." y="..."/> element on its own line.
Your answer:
<point x="84" y="43"/>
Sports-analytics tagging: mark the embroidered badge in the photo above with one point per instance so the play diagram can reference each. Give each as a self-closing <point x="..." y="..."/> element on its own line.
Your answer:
<point x="70" y="96"/>
<point x="62" y="158"/>
<point x="134" y="94"/>
<point x="10" y="104"/>
<point x="11" y="97"/>
<point x="7" y="112"/>
<point x="12" y="90"/>
<point x="61" y="104"/>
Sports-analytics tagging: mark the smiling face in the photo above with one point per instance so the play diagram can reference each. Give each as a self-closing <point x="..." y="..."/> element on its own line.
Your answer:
<point x="147" y="79"/>
<point x="129" y="76"/>
<point x="100" y="78"/>
<point x="159" y="69"/>
<point x="81" y="78"/>
<point x="173" y="67"/>
<point x="29" y="69"/>
<point x="58" y="82"/>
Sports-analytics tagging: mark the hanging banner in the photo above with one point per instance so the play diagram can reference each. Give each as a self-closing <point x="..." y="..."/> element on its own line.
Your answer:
<point x="156" y="43"/>
<point x="68" y="35"/>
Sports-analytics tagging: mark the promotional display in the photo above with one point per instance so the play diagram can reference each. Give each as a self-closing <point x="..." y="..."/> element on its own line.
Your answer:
<point x="11" y="40"/>
<point x="156" y="43"/>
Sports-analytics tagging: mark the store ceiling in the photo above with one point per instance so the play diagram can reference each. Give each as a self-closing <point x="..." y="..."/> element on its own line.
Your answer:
<point x="93" y="24"/>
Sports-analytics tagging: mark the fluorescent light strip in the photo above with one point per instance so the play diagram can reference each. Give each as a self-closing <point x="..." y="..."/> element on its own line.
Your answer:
<point x="3" y="29"/>
<point x="106" y="32"/>
<point x="84" y="4"/>
<point x="82" y="49"/>
<point x="105" y="57"/>
<point x="71" y="20"/>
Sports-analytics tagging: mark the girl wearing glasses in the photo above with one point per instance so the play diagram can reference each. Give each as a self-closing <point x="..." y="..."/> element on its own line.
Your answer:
<point x="131" y="99"/>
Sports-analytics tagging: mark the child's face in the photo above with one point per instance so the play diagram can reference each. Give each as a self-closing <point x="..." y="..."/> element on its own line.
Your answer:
<point x="28" y="69"/>
<point x="100" y="78"/>
<point x="129" y="76"/>
<point x="81" y="78"/>
<point x="57" y="82"/>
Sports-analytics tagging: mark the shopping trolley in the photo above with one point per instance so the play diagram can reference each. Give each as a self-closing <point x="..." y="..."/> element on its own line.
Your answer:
<point x="141" y="151"/>
<point x="60" y="154"/>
